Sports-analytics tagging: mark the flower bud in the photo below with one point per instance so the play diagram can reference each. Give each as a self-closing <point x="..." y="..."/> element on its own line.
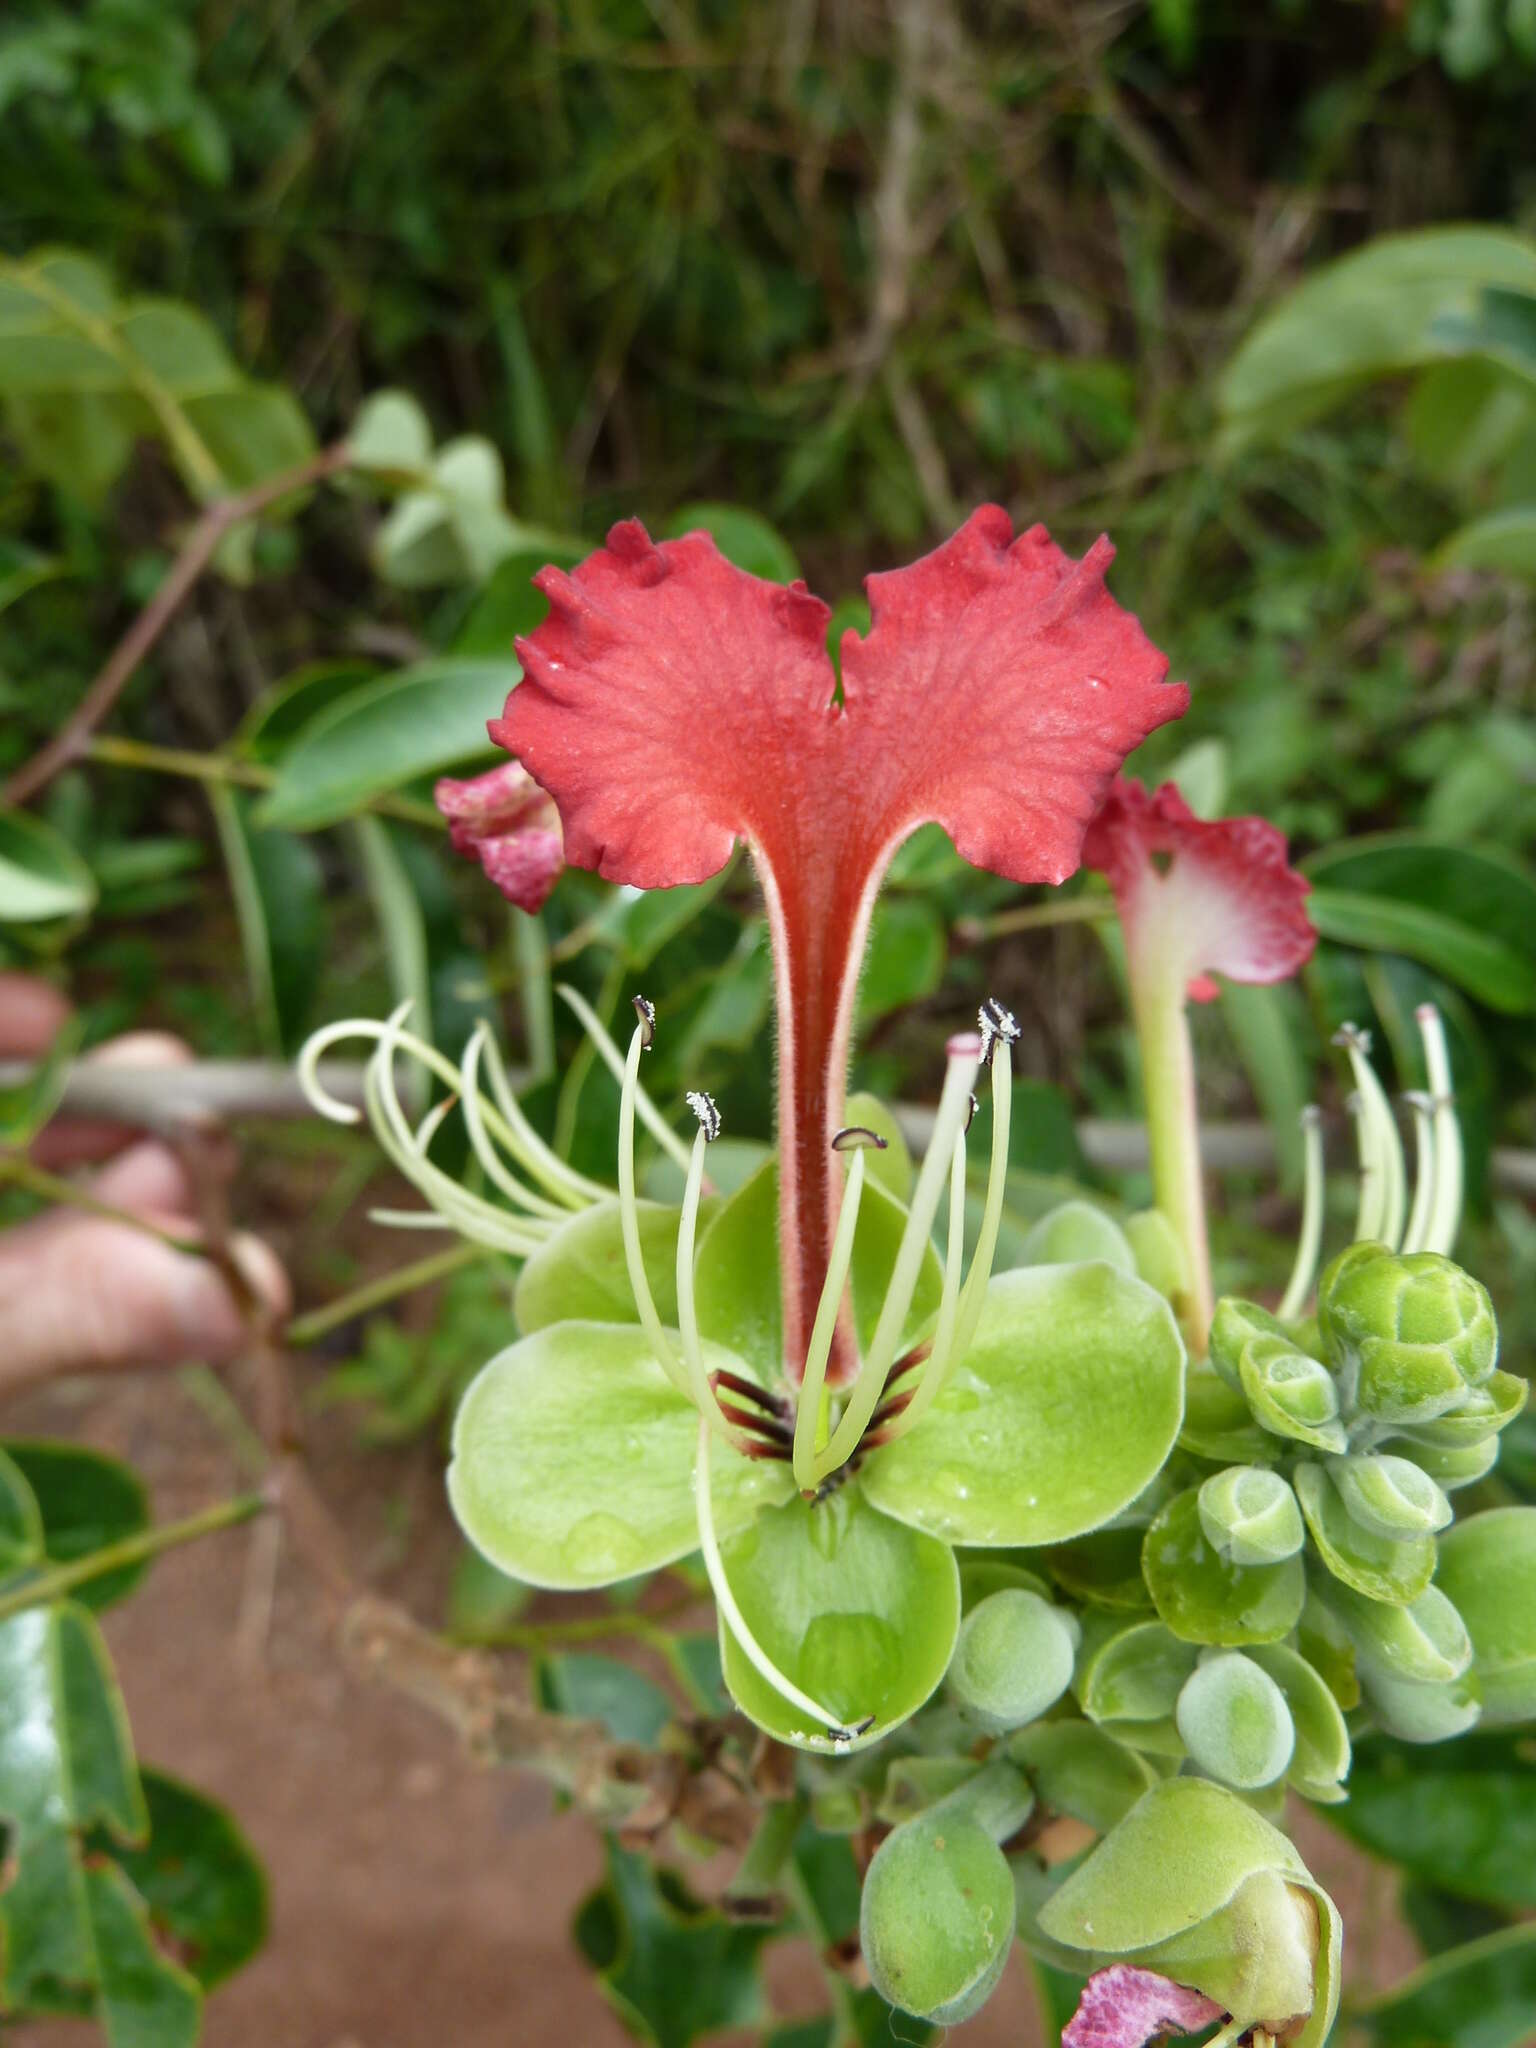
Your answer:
<point x="1292" y="1394"/>
<point x="1013" y="1659"/>
<point x="1411" y="1331"/>
<point x="1073" y="1232"/>
<point x="1250" y="1515"/>
<point x="1233" y="1324"/>
<point x="1204" y="1891"/>
<point x="1488" y="1568"/>
<point x="1425" y="1642"/>
<point x="1420" y="1713"/>
<point x="1390" y="1496"/>
<point x="1483" y="1412"/>
<point x="936" y="1922"/>
<point x="1235" y="1722"/>
<point x="1457" y="1465"/>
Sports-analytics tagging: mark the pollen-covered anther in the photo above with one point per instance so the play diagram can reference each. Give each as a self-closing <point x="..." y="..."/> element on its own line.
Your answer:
<point x="703" y="1107"/>
<point x="645" y="1010"/>
<point x="855" y="1137"/>
<point x="1352" y="1038"/>
<point x="994" y="1023"/>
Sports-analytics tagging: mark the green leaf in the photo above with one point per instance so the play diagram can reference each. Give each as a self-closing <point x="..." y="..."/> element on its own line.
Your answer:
<point x="581" y="1271"/>
<point x="398" y="912"/>
<point x="66" y="1761"/>
<point x="41" y="875"/>
<point x="1462" y="1816"/>
<point x="143" y="2000"/>
<point x="1064" y="1408"/>
<point x="672" y="1968"/>
<point x="278" y="892"/>
<point x="27" y="1105"/>
<point x="426" y="718"/>
<point x="736" y="1272"/>
<point x="1488" y="1573"/>
<point x="855" y="1609"/>
<point x="200" y="1878"/>
<point x="283" y="710"/>
<point x="1204" y="1598"/>
<point x="1479" y="1996"/>
<point x="1136" y="1674"/>
<point x="1465" y="911"/>
<point x="1389" y="307"/>
<point x="632" y="1707"/>
<point x="1377" y="1566"/>
<point x="905" y="958"/>
<point x="742" y="536"/>
<point x="1502" y="543"/>
<point x="86" y="1500"/>
<point x="391" y="434"/>
<point x="573" y="1460"/>
<point x="1268" y="1027"/>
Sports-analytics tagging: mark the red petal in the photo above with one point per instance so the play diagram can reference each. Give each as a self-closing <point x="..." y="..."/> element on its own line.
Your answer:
<point x="1123" y="2007"/>
<point x="510" y="825"/>
<point x="1202" y="896"/>
<point x="674" y="704"/>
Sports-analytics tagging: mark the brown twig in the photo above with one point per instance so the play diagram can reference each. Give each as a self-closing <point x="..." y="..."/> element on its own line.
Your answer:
<point x="198" y="550"/>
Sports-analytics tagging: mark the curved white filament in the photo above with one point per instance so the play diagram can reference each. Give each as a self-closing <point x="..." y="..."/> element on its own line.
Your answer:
<point x="1445" y="1215"/>
<point x="1310" y="1241"/>
<point x="813" y="1383"/>
<point x="629" y="1221"/>
<point x="614" y="1061"/>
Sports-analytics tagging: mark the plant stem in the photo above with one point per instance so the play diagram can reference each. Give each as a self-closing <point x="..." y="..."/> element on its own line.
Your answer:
<point x="52" y="1187"/>
<point x="222" y="769"/>
<point x="584" y="1628"/>
<point x="1034" y="917"/>
<point x="530" y="944"/>
<point x="1173" y="1135"/>
<point x="62" y="1579"/>
<point x="403" y="1280"/>
<point x="198" y="550"/>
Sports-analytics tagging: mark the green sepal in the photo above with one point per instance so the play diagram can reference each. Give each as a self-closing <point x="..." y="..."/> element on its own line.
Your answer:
<point x="1380" y="1567"/>
<point x="580" y="1273"/>
<point x="1424" y="1641"/>
<point x="1292" y="1394"/>
<point x="1136" y="1674"/>
<point x="855" y="1609"/>
<point x="1073" y="1233"/>
<point x="1013" y="1659"/>
<point x="937" y="1918"/>
<point x="1249" y="1515"/>
<point x="1389" y="1495"/>
<point x="1483" y="1412"/>
<point x="982" y="1574"/>
<point x="1065" y="1407"/>
<point x="1219" y="1425"/>
<point x="1233" y="1325"/>
<point x="1235" y="1722"/>
<point x="1081" y="1770"/>
<point x="573" y="1459"/>
<point x="1320" y="1761"/>
<point x="1205" y="1598"/>
<point x="1488" y="1570"/>
<point x="736" y="1272"/>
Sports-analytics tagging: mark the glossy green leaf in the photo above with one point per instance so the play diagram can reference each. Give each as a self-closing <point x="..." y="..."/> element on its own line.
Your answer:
<point x="1064" y="1408"/>
<point x="42" y="878"/>
<point x="856" y="1610"/>
<point x="66" y="1762"/>
<point x="736" y="1272"/>
<point x="278" y="893"/>
<point x="742" y="536"/>
<point x="1389" y="307"/>
<point x="200" y="1878"/>
<point x="1075" y="1231"/>
<point x="1378" y="1566"/>
<point x="573" y="1460"/>
<point x="1482" y="1995"/>
<point x="672" y="1968"/>
<point x="283" y="710"/>
<point x="86" y="1500"/>
<point x="415" y="723"/>
<point x="21" y="1523"/>
<point x="1462" y="1817"/>
<point x="391" y="434"/>
<point x="143" y="1999"/>
<point x="1502" y="543"/>
<point x="1203" y="1597"/>
<point x="1219" y="1426"/>
<point x="581" y="1271"/>
<point x="1136" y="1674"/>
<point x="28" y="1104"/>
<point x="1103" y="1569"/>
<point x="1488" y="1572"/>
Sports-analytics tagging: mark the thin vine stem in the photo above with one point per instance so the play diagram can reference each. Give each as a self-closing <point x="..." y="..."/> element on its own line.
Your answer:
<point x="62" y="1579"/>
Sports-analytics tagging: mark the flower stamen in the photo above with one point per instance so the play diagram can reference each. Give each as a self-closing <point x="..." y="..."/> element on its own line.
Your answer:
<point x="811" y="1398"/>
<point x="614" y="1061"/>
<point x="629" y="1213"/>
<point x="1445" y="1212"/>
<point x="1382" y="1178"/>
<point x="700" y="1387"/>
<point x="731" y="1614"/>
<point x="1309" y="1243"/>
<point x="1423" y="1107"/>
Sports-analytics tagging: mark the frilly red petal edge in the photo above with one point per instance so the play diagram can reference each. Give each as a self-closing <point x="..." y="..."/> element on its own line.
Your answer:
<point x="1207" y="896"/>
<point x="510" y="825"/>
<point x="1123" y="2007"/>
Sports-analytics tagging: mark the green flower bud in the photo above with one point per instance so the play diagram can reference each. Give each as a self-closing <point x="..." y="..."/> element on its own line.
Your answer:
<point x="1420" y="1713"/>
<point x="1482" y="1414"/>
<point x="1012" y="1660"/>
<point x="1235" y="1722"/>
<point x="1488" y="1568"/>
<point x="1232" y="1326"/>
<point x="1391" y="1568"/>
<point x="1073" y="1232"/>
<point x="936" y="1922"/>
<point x="1390" y="1496"/>
<point x="1455" y="1465"/>
<point x="1196" y="1886"/>
<point x="1410" y="1332"/>
<point x="1425" y="1642"/>
<point x="1292" y="1394"/>
<point x="1250" y="1515"/>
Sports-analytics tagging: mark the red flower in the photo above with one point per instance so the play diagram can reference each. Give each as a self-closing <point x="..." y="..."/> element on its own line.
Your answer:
<point x="506" y="822"/>
<point x="1200" y="897"/>
<point x="1123" y="2007"/>
<point x="673" y="704"/>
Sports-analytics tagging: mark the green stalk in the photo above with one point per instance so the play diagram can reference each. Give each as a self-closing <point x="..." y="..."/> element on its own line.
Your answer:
<point x="1173" y="1134"/>
<point x="62" y="1579"/>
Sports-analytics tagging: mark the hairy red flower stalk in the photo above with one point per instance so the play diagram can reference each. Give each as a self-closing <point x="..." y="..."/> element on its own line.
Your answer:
<point x="672" y="704"/>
